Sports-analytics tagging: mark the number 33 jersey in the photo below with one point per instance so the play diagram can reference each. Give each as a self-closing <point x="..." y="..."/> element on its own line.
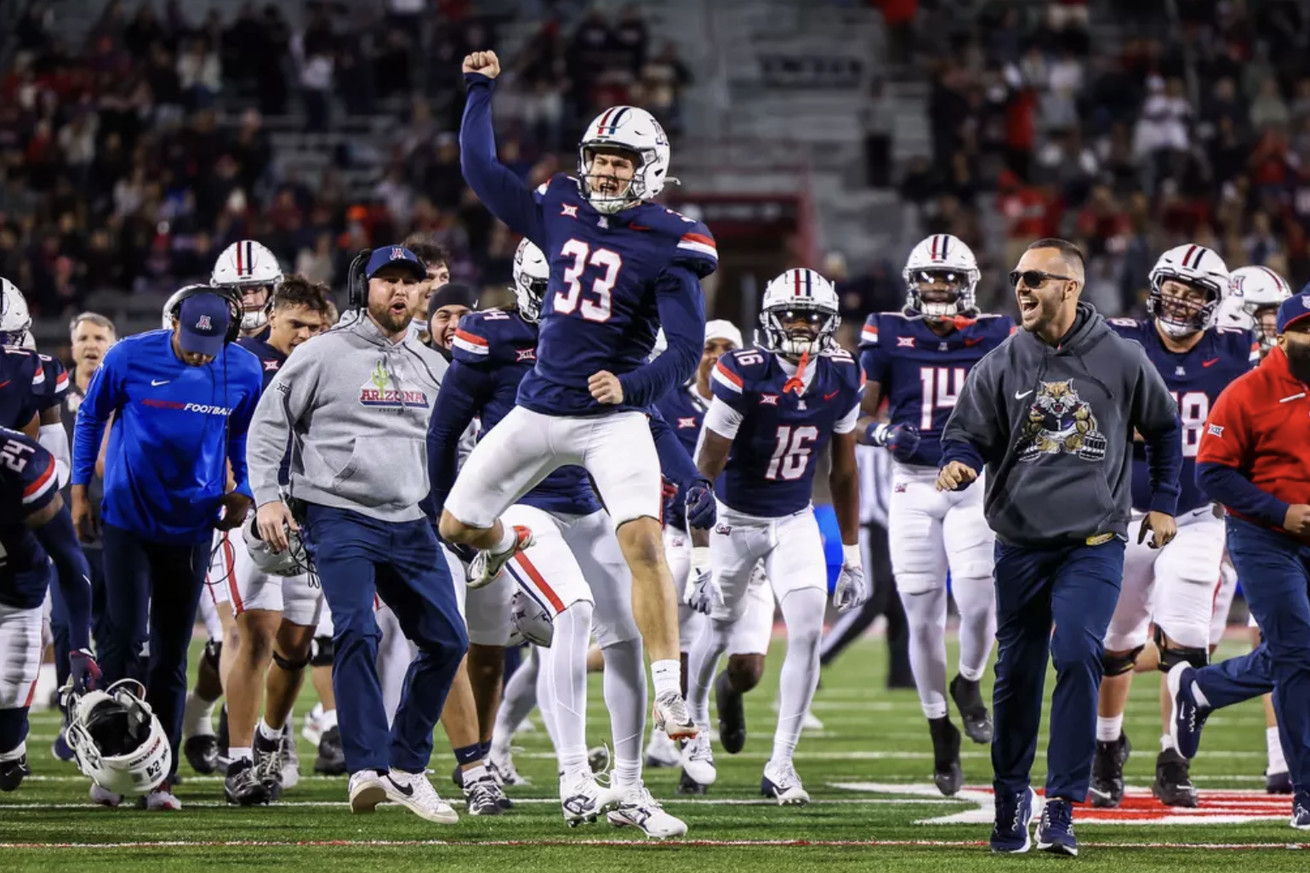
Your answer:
<point x="921" y="374"/>
<point x="1195" y="379"/>
<point x="784" y="425"/>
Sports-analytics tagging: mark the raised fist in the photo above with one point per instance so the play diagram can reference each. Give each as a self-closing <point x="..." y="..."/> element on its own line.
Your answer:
<point x="485" y="63"/>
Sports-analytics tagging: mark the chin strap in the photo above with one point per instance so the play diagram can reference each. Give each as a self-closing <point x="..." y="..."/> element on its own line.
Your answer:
<point x="796" y="384"/>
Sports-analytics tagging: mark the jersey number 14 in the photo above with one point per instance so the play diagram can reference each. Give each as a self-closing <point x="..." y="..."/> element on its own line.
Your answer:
<point x="941" y="388"/>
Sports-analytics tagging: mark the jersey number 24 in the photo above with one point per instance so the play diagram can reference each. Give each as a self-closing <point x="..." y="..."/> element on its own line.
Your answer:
<point x="602" y="287"/>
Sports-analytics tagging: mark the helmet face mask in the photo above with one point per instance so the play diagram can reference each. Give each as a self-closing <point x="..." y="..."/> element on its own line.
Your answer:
<point x="248" y="268"/>
<point x="531" y="278"/>
<point x="1182" y="307"/>
<point x="800" y="314"/>
<point x="1254" y="295"/>
<point x="941" y="277"/>
<point x="291" y="561"/>
<point x="15" y="318"/>
<point x="634" y="137"/>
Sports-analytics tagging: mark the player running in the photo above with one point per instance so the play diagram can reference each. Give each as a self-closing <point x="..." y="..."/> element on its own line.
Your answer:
<point x="774" y="411"/>
<point x="1172" y="587"/>
<point x="620" y="266"/>
<point x="917" y="360"/>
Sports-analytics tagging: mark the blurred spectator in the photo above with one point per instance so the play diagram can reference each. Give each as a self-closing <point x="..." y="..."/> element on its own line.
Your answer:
<point x="200" y="74"/>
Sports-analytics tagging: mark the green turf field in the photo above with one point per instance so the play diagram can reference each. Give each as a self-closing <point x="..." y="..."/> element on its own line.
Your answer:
<point x="869" y="774"/>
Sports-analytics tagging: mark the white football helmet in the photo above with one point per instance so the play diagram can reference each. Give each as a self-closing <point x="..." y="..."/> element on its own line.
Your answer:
<point x="248" y="264"/>
<point x="531" y="276"/>
<point x="941" y="258"/>
<point x="117" y="739"/>
<point x="15" y="319"/>
<point x="634" y="130"/>
<point x="799" y="292"/>
<point x="291" y="561"/>
<point x="530" y="620"/>
<point x="1253" y="291"/>
<point x="1192" y="265"/>
<point x="169" y="305"/>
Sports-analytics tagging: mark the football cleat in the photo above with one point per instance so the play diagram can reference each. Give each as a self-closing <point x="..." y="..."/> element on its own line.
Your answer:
<point x="947" y="773"/>
<point x="689" y="787"/>
<point x="483" y="796"/>
<point x="732" y="715"/>
<point x="331" y="760"/>
<point x="201" y="753"/>
<point x="1187" y="716"/>
<point x="366" y="791"/>
<point x="290" y="759"/>
<point x="973" y="712"/>
<point x="1055" y="833"/>
<point x="1173" y="780"/>
<point x="242" y="785"/>
<point x="582" y="798"/>
<point x="161" y="799"/>
<point x="1014" y="815"/>
<point x="268" y="764"/>
<point x="313" y="729"/>
<point x="1278" y="783"/>
<point x="1301" y="812"/>
<point x="662" y="751"/>
<point x="698" y="760"/>
<point x="13" y="771"/>
<point x="639" y="810"/>
<point x="105" y="797"/>
<point x="671" y="716"/>
<point x="781" y="782"/>
<point x="486" y="566"/>
<point x="501" y="765"/>
<point x="1107" y="788"/>
<point x="414" y="792"/>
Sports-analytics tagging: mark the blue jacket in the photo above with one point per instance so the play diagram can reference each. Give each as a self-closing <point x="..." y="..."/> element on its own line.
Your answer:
<point x="174" y="427"/>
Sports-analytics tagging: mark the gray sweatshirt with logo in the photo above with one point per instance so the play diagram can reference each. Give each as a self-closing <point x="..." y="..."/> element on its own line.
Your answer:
<point x="345" y="421"/>
<point x="1054" y="426"/>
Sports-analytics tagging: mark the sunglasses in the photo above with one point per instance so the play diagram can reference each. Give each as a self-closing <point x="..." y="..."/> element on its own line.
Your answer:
<point x="1033" y="278"/>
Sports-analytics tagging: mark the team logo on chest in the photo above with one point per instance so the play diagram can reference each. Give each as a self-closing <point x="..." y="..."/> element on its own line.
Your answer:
<point x="525" y="355"/>
<point x="271" y="365"/>
<point x="768" y="399"/>
<point x="1060" y="422"/>
<point x="1180" y="370"/>
<point x="382" y="392"/>
<point x="684" y="423"/>
<point x="905" y="342"/>
<point x="568" y="210"/>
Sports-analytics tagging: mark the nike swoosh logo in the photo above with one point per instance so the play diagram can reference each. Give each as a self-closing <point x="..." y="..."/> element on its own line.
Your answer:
<point x="1098" y="792"/>
<point x="832" y="395"/>
<point x="5" y="382"/>
<point x="155" y="383"/>
<point x="1210" y="363"/>
<point x="407" y="790"/>
<point x="638" y="227"/>
<point x="973" y="341"/>
<point x="1018" y="396"/>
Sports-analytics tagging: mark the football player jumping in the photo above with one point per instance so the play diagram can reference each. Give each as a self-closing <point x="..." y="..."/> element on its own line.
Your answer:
<point x="620" y="265"/>
<point x="775" y="409"/>
<point x="917" y="360"/>
<point x="1174" y="587"/>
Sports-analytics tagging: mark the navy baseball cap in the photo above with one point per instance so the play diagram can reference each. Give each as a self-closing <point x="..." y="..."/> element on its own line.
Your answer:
<point x="203" y="320"/>
<point x="388" y="255"/>
<point x="1294" y="309"/>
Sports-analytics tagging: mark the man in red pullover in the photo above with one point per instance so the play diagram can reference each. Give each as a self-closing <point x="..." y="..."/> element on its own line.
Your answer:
<point x="1254" y="458"/>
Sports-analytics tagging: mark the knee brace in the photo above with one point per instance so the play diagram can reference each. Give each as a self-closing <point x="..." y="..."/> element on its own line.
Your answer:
<point x="1117" y="665"/>
<point x="289" y="665"/>
<point x="322" y="652"/>
<point x="1170" y="656"/>
<point x="213" y="652"/>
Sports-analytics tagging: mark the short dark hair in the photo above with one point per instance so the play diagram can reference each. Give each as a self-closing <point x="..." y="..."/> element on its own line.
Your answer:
<point x="429" y="251"/>
<point x="1070" y="252"/>
<point x="296" y="290"/>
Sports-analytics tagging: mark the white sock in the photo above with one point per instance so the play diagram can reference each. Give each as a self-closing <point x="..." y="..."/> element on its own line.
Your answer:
<point x="267" y="732"/>
<point x="567" y="674"/>
<point x="1109" y="727"/>
<point x="1167" y="743"/>
<point x="926" y="615"/>
<point x="506" y="541"/>
<point x="328" y="719"/>
<point x="802" y="611"/>
<point x="625" y="698"/>
<point x="197" y="716"/>
<point x="667" y="676"/>
<point x="546" y="699"/>
<point x="702" y="664"/>
<point x="518" y="700"/>
<point x="976" y="600"/>
<point x="238" y="753"/>
<point x="474" y="773"/>
<point x="1277" y="763"/>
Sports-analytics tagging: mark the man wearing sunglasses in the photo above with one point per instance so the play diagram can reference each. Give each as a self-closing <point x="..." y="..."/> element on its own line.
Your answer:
<point x="1050" y="413"/>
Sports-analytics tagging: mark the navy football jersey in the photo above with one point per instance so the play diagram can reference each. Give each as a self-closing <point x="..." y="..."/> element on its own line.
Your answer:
<point x="27" y="484"/>
<point x="1195" y="379"/>
<point x="503" y="346"/>
<point x="270" y="359"/>
<point x="921" y="374"/>
<point x="770" y="471"/>
<point x="28" y="386"/>
<point x="52" y="385"/>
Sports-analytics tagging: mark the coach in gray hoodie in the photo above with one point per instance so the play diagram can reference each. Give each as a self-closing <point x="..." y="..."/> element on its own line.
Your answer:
<point x="346" y="418"/>
<point x="1051" y="412"/>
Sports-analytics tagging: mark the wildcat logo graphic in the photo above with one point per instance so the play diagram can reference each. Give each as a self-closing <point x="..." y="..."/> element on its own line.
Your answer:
<point x="378" y="392"/>
<point x="1060" y="422"/>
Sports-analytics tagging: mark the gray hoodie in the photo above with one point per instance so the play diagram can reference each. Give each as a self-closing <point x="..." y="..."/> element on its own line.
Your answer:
<point x="351" y="408"/>
<point x="1054" y="426"/>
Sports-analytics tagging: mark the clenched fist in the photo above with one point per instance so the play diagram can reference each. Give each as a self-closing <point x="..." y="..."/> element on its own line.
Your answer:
<point x="485" y="63"/>
<point x="955" y="476"/>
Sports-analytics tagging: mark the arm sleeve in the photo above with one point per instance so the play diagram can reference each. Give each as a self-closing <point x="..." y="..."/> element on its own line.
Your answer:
<point x="675" y="463"/>
<point x="682" y="315"/>
<point x="103" y="396"/>
<point x="504" y="193"/>
<point x="286" y="400"/>
<point x="723" y="419"/>
<point x="54" y="439"/>
<point x="73" y="575"/>
<point x="463" y="392"/>
<point x="238" y="434"/>
<point x="1155" y="416"/>
<point x="1232" y="489"/>
<point x="977" y="429"/>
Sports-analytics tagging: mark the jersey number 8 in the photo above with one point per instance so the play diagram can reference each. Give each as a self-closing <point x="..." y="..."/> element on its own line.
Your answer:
<point x="1193" y="410"/>
<point x="567" y="300"/>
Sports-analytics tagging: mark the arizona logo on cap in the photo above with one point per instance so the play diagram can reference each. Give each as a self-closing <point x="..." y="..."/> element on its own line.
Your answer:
<point x="204" y="323"/>
<point x="397" y="253"/>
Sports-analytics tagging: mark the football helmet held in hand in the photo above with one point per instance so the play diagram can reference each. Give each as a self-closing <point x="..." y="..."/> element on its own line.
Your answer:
<point x="292" y="561"/>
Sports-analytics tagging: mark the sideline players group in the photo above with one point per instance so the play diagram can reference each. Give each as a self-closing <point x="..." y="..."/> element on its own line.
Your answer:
<point x="607" y="467"/>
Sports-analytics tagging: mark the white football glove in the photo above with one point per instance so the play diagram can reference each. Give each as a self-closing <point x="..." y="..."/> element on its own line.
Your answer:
<point x="702" y="593"/>
<point x="852" y="588"/>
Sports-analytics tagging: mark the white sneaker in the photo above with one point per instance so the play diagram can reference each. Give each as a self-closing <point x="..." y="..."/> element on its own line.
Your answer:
<point x="159" y="800"/>
<point x="366" y="791"/>
<point x="501" y="765"/>
<point x="415" y="792"/>
<point x="810" y="722"/>
<point x="290" y="761"/>
<point x="639" y="810"/>
<point x="698" y="760"/>
<point x="104" y="796"/>
<point x="671" y="716"/>
<point x="313" y="729"/>
<point x="486" y="566"/>
<point x="662" y="751"/>
<point x="582" y="798"/>
<point x="781" y="782"/>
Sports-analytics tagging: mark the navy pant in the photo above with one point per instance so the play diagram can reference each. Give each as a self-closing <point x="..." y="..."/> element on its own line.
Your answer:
<point x="1275" y="574"/>
<point x="151" y="593"/>
<point x="356" y="556"/>
<point x="1076" y="588"/>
